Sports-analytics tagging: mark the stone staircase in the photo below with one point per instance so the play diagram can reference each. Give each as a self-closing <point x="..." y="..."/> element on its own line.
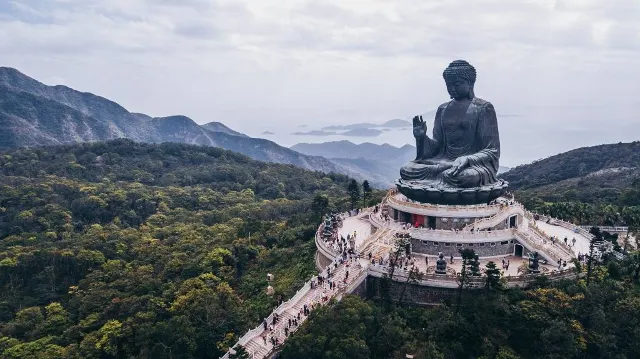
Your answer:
<point x="255" y="345"/>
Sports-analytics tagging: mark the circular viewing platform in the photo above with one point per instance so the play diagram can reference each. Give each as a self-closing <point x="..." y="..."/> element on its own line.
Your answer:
<point x="501" y="232"/>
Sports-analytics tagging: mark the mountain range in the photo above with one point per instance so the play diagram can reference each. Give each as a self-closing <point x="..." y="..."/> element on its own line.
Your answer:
<point x="34" y="114"/>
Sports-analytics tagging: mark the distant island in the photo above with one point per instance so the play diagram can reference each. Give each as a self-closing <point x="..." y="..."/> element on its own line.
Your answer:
<point x="362" y="132"/>
<point x="396" y="123"/>
<point x="314" y="133"/>
<point x="268" y="133"/>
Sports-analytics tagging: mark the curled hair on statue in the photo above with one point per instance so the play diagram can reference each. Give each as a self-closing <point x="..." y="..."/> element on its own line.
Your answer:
<point x="460" y="69"/>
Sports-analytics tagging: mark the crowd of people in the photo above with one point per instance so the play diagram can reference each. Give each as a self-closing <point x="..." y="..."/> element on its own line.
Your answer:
<point x="324" y="286"/>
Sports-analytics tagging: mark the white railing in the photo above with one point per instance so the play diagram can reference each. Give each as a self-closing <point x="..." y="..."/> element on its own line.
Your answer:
<point x="401" y="201"/>
<point x="570" y="226"/>
<point x="461" y="236"/>
<point x="557" y="243"/>
<point x="322" y="246"/>
<point x="533" y="243"/>
<point x="452" y="281"/>
<point x="607" y="228"/>
<point x="488" y="222"/>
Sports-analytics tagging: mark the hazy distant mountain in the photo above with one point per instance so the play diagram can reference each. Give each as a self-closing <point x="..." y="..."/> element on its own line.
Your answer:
<point x="362" y="132"/>
<point x="268" y="133"/>
<point x="314" y="133"/>
<point x="34" y="114"/>
<point x="368" y="125"/>
<point x="349" y="150"/>
<point x="349" y="127"/>
<point x="384" y="160"/>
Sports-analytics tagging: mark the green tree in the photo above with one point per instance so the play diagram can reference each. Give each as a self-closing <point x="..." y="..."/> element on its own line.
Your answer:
<point x="474" y="266"/>
<point x="494" y="276"/>
<point x="468" y="257"/>
<point x="366" y="193"/>
<point x="319" y="205"/>
<point x="591" y="260"/>
<point x="354" y="193"/>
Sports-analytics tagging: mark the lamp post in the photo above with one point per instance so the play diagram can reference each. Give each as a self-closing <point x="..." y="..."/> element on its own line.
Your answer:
<point x="270" y="290"/>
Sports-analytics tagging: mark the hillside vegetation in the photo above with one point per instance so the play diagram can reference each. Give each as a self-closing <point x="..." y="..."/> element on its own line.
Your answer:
<point x="122" y="250"/>
<point x="34" y="114"/>
<point x="591" y="185"/>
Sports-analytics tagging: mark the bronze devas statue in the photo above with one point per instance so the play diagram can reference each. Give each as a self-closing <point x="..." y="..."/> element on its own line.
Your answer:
<point x="459" y="163"/>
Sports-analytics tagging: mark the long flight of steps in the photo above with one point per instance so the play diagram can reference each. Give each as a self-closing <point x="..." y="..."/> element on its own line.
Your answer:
<point x="257" y="347"/>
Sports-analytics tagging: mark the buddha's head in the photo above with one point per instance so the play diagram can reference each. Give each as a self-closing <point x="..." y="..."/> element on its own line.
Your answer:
<point x="460" y="77"/>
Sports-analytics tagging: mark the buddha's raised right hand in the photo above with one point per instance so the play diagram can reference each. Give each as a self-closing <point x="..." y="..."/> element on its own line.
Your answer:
<point x="419" y="127"/>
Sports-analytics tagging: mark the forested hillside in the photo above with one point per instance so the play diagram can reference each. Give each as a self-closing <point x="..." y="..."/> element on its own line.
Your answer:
<point x="590" y="185"/>
<point x="562" y="320"/>
<point x="122" y="250"/>
<point x="577" y="163"/>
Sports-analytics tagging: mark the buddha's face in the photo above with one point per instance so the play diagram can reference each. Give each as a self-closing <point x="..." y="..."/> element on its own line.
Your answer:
<point x="459" y="88"/>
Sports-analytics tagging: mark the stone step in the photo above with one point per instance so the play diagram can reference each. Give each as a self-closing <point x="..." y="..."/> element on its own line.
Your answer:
<point x="256" y="349"/>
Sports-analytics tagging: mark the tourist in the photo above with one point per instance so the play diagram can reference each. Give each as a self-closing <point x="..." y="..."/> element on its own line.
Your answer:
<point x="426" y="261"/>
<point x="565" y="240"/>
<point x="264" y="324"/>
<point x="573" y="241"/>
<point x="452" y="259"/>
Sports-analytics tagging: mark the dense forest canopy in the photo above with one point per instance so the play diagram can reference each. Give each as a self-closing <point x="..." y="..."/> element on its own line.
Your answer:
<point x="552" y="321"/>
<point x="119" y="249"/>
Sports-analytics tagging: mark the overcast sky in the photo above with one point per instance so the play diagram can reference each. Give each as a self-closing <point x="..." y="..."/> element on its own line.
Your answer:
<point x="566" y="72"/>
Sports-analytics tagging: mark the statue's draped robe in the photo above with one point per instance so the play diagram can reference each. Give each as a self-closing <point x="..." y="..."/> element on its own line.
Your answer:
<point x="476" y="138"/>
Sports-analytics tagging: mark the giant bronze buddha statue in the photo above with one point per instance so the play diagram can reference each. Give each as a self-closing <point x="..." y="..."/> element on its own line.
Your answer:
<point x="458" y="165"/>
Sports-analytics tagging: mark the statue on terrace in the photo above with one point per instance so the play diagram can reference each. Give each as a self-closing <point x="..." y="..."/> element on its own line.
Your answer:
<point x="441" y="264"/>
<point x="458" y="165"/>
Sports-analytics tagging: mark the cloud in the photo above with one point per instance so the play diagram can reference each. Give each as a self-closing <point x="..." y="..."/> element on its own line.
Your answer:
<point x="296" y="62"/>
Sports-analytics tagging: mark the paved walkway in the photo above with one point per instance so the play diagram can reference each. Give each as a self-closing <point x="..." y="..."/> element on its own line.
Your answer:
<point x="358" y="224"/>
<point x="582" y="243"/>
<point x="260" y="346"/>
